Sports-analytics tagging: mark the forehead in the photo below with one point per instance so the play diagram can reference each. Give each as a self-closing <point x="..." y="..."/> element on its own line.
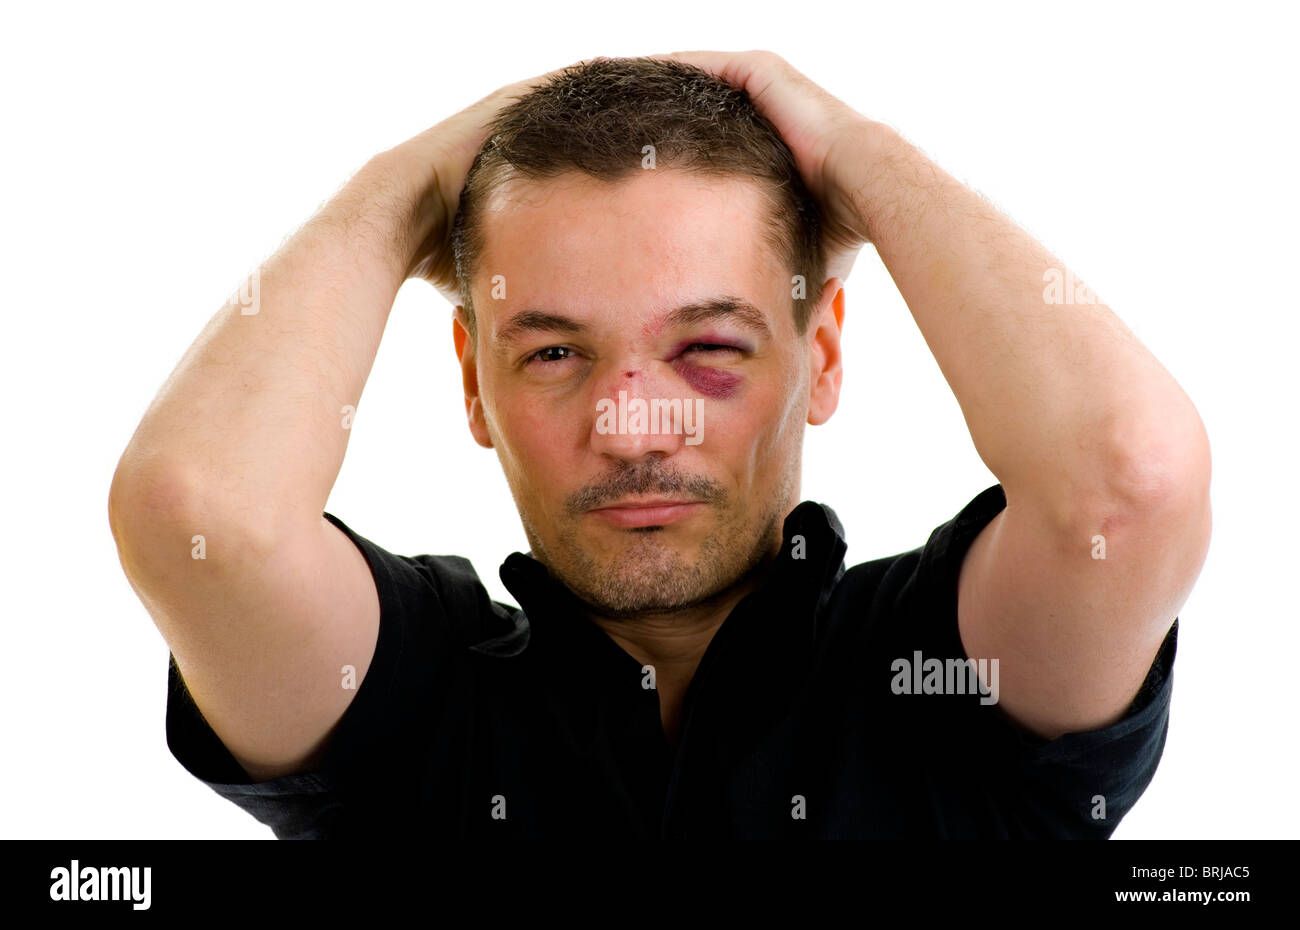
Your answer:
<point x="651" y="240"/>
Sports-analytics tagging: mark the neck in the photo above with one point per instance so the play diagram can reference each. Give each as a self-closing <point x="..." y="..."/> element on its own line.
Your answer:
<point x="671" y="640"/>
<point x="674" y="642"/>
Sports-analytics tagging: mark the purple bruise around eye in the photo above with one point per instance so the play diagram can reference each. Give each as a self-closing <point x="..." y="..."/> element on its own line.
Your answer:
<point x="710" y="381"/>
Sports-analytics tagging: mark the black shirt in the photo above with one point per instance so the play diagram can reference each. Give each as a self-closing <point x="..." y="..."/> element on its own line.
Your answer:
<point x="479" y="719"/>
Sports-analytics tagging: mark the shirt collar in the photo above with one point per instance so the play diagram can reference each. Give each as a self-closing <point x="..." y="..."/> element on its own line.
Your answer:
<point x="797" y="584"/>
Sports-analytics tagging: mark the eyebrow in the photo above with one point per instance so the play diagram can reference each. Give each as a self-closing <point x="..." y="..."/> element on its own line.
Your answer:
<point x="533" y="321"/>
<point x="733" y="309"/>
<point x="736" y="309"/>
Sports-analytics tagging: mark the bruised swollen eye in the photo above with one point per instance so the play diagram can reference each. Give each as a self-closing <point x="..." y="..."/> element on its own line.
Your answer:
<point x="711" y="382"/>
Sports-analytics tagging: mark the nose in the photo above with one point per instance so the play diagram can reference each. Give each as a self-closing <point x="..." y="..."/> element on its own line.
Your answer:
<point x="638" y="411"/>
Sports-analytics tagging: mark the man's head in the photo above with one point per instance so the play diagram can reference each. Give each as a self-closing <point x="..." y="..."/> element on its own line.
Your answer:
<point x="634" y="232"/>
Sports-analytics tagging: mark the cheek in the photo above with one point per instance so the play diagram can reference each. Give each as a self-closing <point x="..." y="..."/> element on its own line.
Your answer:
<point x="526" y="435"/>
<point x="536" y="435"/>
<point x="779" y="434"/>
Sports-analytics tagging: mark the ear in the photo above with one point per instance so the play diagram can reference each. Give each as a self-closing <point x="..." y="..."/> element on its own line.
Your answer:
<point x="824" y="355"/>
<point x="466" y="352"/>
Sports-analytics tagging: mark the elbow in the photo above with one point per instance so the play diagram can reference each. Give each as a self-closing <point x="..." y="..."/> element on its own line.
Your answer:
<point x="1165" y="473"/>
<point x="1155" y="487"/>
<point x="164" y="516"/>
<point x="147" y="511"/>
<point x="147" y="496"/>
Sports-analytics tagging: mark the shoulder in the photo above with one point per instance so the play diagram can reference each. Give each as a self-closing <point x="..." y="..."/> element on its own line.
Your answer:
<point x="920" y="581"/>
<point x="898" y="644"/>
<point x="445" y="589"/>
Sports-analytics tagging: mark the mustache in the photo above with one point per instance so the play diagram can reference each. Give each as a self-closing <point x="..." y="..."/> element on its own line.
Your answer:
<point x="643" y="479"/>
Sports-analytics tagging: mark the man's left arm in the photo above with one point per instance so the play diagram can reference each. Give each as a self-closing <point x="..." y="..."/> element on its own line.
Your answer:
<point x="1097" y="448"/>
<point x="1099" y="451"/>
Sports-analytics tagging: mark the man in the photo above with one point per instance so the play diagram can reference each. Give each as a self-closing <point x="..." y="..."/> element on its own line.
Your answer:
<point x="690" y="657"/>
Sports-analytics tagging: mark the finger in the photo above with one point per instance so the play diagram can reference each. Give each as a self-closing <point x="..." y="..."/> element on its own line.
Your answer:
<point x="748" y="71"/>
<point x="710" y="60"/>
<point x="519" y="88"/>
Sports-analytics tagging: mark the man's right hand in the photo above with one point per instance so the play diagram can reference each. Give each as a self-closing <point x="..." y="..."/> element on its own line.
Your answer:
<point x="431" y="169"/>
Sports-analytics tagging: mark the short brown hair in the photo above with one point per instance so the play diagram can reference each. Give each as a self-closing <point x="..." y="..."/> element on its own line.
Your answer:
<point x="595" y="117"/>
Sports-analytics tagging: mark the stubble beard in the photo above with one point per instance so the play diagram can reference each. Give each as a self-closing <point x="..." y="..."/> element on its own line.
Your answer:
<point x="648" y="575"/>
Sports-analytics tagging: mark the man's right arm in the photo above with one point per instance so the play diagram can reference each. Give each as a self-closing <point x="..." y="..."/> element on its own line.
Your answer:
<point x="242" y="446"/>
<point x="246" y="438"/>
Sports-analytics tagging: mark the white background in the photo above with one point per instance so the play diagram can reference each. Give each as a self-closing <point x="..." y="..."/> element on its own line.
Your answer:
<point x="154" y="155"/>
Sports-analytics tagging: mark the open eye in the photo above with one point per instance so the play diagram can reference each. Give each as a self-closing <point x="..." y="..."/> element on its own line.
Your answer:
<point x="549" y="354"/>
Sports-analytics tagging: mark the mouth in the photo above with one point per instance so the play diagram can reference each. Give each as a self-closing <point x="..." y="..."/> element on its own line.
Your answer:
<point x="632" y="514"/>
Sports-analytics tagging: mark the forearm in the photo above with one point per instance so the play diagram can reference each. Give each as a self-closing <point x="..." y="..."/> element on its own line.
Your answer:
<point x="255" y="417"/>
<point x="1063" y="403"/>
